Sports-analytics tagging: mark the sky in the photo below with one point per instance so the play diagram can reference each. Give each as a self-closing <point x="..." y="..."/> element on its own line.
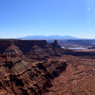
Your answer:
<point x="20" y="18"/>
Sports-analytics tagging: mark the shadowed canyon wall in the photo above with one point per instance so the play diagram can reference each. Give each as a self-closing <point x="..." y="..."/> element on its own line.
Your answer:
<point x="24" y="45"/>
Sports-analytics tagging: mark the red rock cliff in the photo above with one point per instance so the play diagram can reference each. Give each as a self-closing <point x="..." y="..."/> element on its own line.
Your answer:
<point x="24" y="45"/>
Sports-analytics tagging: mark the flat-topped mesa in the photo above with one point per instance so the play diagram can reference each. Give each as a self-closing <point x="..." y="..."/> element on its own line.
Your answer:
<point x="7" y="46"/>
<point x="24" y="45"/>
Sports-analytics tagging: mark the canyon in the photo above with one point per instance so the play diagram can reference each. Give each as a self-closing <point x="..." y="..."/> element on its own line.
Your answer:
<point x="34" y="67"/>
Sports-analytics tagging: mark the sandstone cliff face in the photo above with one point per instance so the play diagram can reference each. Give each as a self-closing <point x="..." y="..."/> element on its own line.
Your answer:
<point x="31" y="47"/>
<point x="24" y="45"/>
<point x="18" y="77"/>
<point x="13" y="51"/>
<point x="39" y="68"/>
<point x="25" y="68"/>
<point x="4" y="44"/>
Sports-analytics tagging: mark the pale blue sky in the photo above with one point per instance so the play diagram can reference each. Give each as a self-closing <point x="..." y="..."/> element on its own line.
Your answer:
<point x="19" y="18"/>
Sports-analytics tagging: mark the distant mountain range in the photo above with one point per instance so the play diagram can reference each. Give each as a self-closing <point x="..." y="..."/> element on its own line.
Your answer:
<point x="51" y="37"/>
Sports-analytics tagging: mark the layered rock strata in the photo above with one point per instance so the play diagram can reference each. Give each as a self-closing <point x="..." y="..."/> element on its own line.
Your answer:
<point x="39" y="68"/>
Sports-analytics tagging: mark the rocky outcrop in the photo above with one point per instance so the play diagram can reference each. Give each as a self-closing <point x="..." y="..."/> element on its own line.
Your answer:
<point x="24" y="45"/>
<point x="39" y="68"/>
<point x="30" y="48"/>
<point x="13" y="51"/>
<point x="57" y="68"/>
<point x="19" y="77"/>
<point x="25" y="68"/>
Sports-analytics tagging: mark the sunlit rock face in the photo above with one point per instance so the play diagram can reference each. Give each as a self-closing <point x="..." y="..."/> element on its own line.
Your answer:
<point x="25" y="68"/>
<point x="39" y="68"/>
<point x="28" y="77"/>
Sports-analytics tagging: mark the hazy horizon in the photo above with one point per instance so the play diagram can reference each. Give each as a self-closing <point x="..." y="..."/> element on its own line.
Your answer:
<point x="21" y="18"/>
<point x="31" y="37"/>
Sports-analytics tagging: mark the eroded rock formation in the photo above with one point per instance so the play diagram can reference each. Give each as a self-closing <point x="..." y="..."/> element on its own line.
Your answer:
<point x="25" y="68"/>
<point x="18" y="77"/>
<point x="39" y="68"/>
<point x="13" y="51"/>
